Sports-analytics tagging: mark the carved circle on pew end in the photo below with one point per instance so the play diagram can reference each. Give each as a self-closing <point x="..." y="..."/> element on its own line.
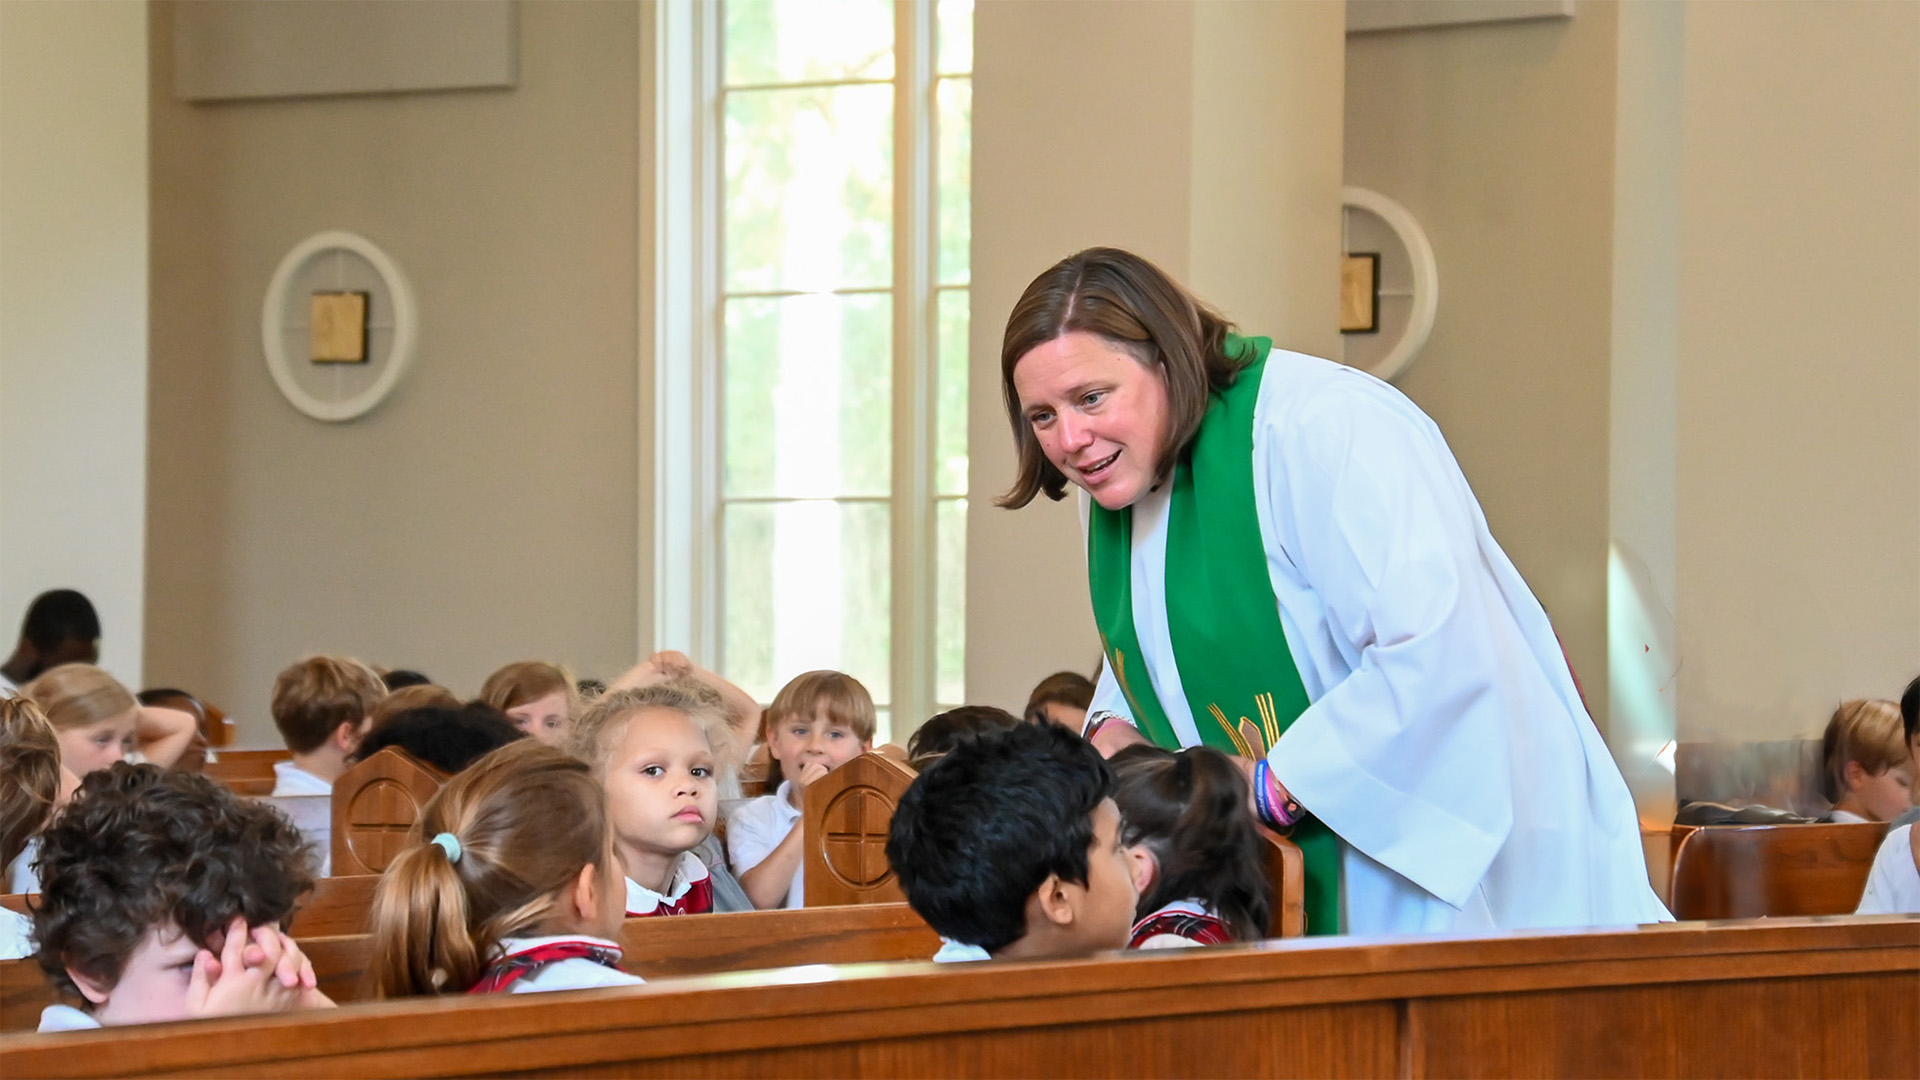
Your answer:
<point x="856" y="837"/>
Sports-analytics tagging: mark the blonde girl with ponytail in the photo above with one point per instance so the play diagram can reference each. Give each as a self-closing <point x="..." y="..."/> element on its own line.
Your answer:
<point x="509" y="885"/>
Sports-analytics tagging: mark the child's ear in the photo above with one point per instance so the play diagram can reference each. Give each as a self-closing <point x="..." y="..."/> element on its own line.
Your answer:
<point x="1855" y="774"/>
<point x="587" y="895"/>
<point x="1144" y="868"/>
<point x="346" y="737"/>
<point x="90" y="987"/>
<point x="1055" y="901"/>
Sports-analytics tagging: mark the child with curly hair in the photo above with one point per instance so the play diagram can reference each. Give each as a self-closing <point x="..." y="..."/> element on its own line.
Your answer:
<point x="164" y="896"/>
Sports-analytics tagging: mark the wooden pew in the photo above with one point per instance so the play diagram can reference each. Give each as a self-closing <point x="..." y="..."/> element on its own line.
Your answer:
<point x="654" y="948"/>
<point x="375" y="805"/>
<point x="1785" y="997"/>
<point x="249" y="772"/>
<point x="1748" y="871"/>
<point x="337" y="905"/>
<point x="847" y="815"/>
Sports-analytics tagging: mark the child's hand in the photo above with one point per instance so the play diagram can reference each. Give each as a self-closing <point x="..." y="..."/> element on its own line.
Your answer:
<point x="259" y="969"/>
<point x="805" y="778"/>
<point x="672" y="665"/>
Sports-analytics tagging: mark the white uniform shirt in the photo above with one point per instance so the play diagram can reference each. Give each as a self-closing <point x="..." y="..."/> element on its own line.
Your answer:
<point x="1893" y="885"/>
<point x="954" y="952"/>
<point x="66" y="1018"/>
<point x="20" y="875"/>
<point x="756" y="828"/>
<point x="1446" y="743"/>
<point x="291" y="779"/>
<point x="16" y="935"/>
<point x="575" y="974"/>
<point x="688" y="870"/>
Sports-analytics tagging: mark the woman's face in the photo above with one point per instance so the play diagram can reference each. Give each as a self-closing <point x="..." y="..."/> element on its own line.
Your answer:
<point x="1100" y="415"/>
<point x="99" y="744"/>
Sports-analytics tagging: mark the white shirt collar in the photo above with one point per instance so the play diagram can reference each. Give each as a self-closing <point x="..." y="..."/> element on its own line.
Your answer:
<point x="686" y="871"/>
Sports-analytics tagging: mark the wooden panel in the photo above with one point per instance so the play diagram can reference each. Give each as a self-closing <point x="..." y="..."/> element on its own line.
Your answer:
<point x="1287" y="868"/>
<point x="337" y="905"/>
<point x="1747" y="871"/>
<point x="846" y="819"/>
<point x="1831" y="1025"/>
<point x="375" y="805"/>
<point x="1613" y="1002"/>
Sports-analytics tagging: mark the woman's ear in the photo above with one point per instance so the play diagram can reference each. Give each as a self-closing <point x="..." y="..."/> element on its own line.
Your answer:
<point x="1144" y="867"/>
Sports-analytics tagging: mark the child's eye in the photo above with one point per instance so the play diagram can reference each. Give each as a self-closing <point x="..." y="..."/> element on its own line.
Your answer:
<point x="702" y="771"/>
<point x="836" y="734"/>
<point x="653" y="770"/>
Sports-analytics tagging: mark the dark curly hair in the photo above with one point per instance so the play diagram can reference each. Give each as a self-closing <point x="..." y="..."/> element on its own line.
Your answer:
<point x="141" y="848"/>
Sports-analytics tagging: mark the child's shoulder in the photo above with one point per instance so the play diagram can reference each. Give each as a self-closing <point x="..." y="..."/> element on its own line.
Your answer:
<point x="1180" y="924"/>
<point x="16" y="935"/>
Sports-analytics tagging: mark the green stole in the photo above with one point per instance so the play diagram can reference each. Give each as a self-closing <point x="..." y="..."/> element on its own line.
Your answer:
<point x="1227" y="640"/>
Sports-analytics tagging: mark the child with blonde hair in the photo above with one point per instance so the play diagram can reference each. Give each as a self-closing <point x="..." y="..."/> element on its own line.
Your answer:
<point x="817" y="723"/>
<point x="1869" y="766"/>
<point x="540" y="698"/>
<point x="656" y="750"/>
<point x="510" y="884"/>
<point x="100" y="722"/>
<point x="31" y="783"/>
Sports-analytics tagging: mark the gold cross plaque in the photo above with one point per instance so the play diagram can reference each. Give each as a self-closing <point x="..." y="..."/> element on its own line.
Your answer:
<point x="337" y="328"/>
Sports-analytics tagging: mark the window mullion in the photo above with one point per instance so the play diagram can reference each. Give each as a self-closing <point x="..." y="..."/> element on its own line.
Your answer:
<point x="914" y="254"/>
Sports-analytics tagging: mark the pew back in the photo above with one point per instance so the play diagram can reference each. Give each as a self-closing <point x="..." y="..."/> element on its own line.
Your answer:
<point x="375" y="805"/>
<point x="1748" y="871"/>
<point x="847" y="815"/>
<point x="1771" y="998"/>
<point x="249" y="772"/>
<point x="653" y="949"/>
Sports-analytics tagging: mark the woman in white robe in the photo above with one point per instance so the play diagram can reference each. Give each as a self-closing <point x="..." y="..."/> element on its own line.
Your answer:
<point x="1445" y="744"/>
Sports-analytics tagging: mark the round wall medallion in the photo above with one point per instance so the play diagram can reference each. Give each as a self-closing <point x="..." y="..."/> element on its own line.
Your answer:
<point x="1406" y="286"/>
<point x="378" y="343"/>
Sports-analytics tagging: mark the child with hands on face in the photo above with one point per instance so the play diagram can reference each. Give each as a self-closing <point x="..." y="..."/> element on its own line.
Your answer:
<point x="817" y="723"/>
<point x="164" y="896"/>
<point x="654" y="750"/>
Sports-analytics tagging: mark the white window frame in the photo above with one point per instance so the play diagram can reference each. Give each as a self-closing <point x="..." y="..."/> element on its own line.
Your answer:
<point x="682" y="332"/>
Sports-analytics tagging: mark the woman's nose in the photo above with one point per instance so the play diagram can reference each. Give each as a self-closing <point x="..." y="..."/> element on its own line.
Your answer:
<point x="1074" y="434"/>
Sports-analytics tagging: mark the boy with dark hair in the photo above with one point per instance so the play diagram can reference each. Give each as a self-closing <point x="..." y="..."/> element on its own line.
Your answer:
<point x="164" y="896"/>
<point x="61" y="627"/>
<point x="1010" y="844"/>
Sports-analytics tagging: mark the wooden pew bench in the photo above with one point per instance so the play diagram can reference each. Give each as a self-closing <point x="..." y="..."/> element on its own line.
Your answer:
<point x="1783" y="997"/>
<point x="1750" y="871"/>
<point x="654" y="948"/>
<point x="248" y="772"/>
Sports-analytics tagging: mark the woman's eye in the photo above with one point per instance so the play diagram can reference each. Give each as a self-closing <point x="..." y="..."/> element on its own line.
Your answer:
<point x="1093" y="398"/>
<point x="1040" y="419"/>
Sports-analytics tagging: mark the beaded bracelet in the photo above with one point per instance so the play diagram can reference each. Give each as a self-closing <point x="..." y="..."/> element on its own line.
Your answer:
<point x="1274" y="809"/>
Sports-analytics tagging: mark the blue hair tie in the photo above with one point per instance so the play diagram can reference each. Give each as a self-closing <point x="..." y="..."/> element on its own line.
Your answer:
<point x="446" y="842"/>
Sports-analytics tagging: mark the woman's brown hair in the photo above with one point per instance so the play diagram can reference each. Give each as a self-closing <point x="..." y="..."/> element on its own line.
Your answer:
<point x="1190" y="809"/>
<point x="29" y="774"/>
<point x="525" y="819"/>
<point x="1138" y="309"/>
<point x="75" y="695"/>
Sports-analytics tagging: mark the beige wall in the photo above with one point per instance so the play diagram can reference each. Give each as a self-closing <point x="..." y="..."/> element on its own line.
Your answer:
<point x="488" y="511"/>
<point x="73" y="313"/>
<point x="1798" y="458"/>
<point x="1498" y="138"/>
<point x="1116" y="124"/>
